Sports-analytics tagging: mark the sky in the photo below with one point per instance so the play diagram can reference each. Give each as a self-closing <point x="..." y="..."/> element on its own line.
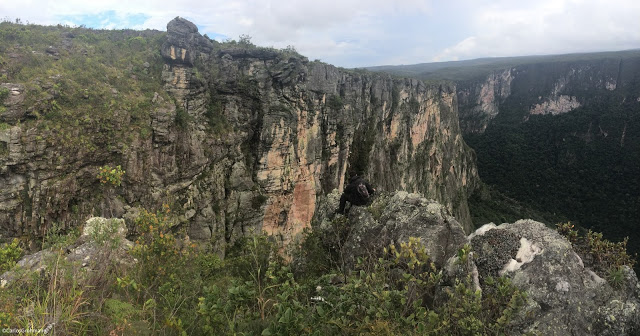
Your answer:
<point x="359" y="33"/>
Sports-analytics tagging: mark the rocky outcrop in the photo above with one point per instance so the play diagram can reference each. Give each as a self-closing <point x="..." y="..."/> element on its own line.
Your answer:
<point x="481" y="102"/>
<point x="556" y="105"/>
<point x="11" y="109"/>
<point x="244" y="139"/>
<point x="563" y="296"/>
<point x="390" y="218"/>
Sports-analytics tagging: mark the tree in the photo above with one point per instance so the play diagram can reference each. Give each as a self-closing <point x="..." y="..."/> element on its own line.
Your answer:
<point x="110" y="178"/>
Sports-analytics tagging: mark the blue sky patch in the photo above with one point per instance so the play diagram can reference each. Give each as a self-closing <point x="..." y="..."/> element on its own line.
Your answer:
<point x="212" y="35"/>
<point x="106" y="20"/>
<point x="217" y="37"/>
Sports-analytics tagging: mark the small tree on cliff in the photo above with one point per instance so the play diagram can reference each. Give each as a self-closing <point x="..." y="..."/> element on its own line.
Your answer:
<point x="110" y="178"/>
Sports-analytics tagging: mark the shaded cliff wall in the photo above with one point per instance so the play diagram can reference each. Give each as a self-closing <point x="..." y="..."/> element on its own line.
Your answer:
<point x="242" y="139"/>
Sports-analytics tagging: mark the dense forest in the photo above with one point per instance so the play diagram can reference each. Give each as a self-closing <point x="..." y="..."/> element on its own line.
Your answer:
<point x="581" y="166"/>
<point x="556" y="166"/>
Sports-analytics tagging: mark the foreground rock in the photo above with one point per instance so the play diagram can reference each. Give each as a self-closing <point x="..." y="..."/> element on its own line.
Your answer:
<point x="102" y="240"/>
<point x="390" y="219"/>
<point x="563" y="296"/>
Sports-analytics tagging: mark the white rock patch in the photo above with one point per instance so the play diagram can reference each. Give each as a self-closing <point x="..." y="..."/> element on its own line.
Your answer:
<point x="482" y="230"/>
<point x="525" y="255"/>
<point x="562" y="286"/>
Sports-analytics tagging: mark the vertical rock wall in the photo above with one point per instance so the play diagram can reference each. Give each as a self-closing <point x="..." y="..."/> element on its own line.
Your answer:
<point x="252" y="137"/>
<point x="544" y="88"/>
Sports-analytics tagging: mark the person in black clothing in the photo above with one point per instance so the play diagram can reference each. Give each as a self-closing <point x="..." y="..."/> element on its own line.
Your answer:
<point x="357" y="192"/>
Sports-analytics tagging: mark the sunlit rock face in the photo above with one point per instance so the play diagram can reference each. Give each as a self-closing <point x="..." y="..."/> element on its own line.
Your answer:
<point x="244" y="139"/>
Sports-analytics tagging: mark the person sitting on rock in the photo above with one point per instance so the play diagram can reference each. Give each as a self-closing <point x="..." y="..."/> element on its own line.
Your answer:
<point x="357" y="192"/>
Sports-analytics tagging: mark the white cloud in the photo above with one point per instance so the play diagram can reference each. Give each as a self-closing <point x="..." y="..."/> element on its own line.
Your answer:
<point x="370" y="32"/>
<point x="549" y="27"/>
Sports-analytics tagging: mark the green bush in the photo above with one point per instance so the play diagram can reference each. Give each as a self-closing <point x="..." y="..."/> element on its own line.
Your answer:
<point x="182" y="118"/>
<point x="335" y="103"/>
<point x="9" y="255"/>
<point x="605" y="257"/>
<point x="57" y="236"/>
<point x="392" y="295"/>
<point x="106" y="233"/>
<point x="109" y="175"/>
<point x="4" y="93"/>
<point x="176" y="289"/>
<point x="167" y="280"/>
<point x="246" y="302"/>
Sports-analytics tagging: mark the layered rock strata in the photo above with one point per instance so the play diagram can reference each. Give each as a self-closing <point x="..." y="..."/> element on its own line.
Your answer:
<point x="252" y="137"/>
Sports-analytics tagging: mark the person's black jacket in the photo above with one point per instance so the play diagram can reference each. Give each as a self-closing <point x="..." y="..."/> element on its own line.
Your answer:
<point x="351" y="194"/>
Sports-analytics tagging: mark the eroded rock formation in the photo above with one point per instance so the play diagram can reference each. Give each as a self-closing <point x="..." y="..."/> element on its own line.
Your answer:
<point x="390" y="218"/>
<point x="246" y="140"/>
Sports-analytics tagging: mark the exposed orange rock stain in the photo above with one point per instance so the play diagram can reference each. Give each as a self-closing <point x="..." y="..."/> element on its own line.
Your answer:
<point x="288" y="213"/>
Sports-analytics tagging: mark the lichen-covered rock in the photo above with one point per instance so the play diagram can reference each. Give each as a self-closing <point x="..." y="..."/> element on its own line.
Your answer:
<point x="12" y="107"/>
<point x="391" y="218"/>
<point x="493" y="250"/>
<point x="564" y="297"/>
<point x="96" y="226"/>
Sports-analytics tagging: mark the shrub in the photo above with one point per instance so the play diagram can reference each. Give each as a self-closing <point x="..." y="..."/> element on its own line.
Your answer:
<point x="335" y="103"/>
<point x="106" y="232"/>
<point x="9" y="255"/>
<point x="4" y="93"/>
<point x="311" y="259"/>
<point x="166" y="282"/>
<point x="109" y="175"/>
<point x="182" y="118"/>
<point x="57" y="236"/>
<point x="605" y="257"/>
<point x="247" y="302"/>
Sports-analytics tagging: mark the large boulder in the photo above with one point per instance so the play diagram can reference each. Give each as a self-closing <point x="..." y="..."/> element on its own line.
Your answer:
<point x="184" y="42"/>
<point x="564" y="297"/>
<point x="391" y="218"/>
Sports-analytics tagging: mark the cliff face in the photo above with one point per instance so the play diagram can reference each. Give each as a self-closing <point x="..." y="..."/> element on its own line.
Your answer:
<point x="240" y="139"/>
<point x="545" y="88"/>
<point x="562" y="137"/>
